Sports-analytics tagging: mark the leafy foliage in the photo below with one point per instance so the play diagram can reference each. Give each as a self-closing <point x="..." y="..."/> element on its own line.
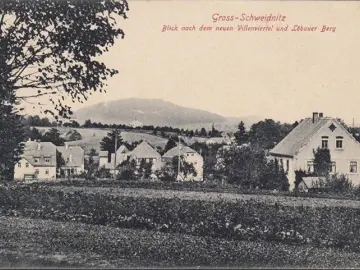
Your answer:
<point x="108" y="142"/>
<point x="11" y="138"/>
<point x="53" y="136"/>
<point x="241" y="136"/>
<point x="322" y="161"/>
<point x="51" y="47"/>
<point x="266" y="134"/>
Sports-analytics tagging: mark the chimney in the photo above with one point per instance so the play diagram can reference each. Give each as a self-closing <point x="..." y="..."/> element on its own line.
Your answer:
<point x="39" y="146"/>
<point x="29" y="140"/>
<point x="315" y="116"/>
<point x="70" y="158"/>
<point x="66" y="146"/>
<point x="321" y="115"/>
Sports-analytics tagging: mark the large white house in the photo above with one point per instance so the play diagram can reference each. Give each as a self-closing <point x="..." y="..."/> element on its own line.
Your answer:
<point x="190" y="156"/>
<point x="295" y="151"/>
<point x="37" y="162"/>
<point x="74" y="159"/>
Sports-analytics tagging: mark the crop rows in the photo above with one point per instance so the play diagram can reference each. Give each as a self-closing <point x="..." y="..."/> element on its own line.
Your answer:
<point x="242" y="220"/>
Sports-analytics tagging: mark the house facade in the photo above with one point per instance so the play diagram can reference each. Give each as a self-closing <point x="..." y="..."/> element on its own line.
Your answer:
<point x="74" y="158"/>
<point x="295" y="151"/>
<point x="190" y="156"/>
<point x="146" y="152"/>
<point x="121" y="154"/>
<point x="103" y="159"/>
<point x="38" y="162"/>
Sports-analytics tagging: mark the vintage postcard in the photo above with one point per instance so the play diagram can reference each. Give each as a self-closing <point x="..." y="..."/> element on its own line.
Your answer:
<point x="179" y="134"/>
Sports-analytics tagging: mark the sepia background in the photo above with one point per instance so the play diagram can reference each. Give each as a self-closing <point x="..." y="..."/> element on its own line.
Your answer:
<point x="280" y="75"/>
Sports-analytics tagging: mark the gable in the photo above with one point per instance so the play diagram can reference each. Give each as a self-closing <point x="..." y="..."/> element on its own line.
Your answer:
<point x="331" y="132"/>
<point x="304" y="133"/>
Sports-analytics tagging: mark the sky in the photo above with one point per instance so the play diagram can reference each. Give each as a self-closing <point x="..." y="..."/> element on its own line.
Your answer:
<point x="280" y="75"/>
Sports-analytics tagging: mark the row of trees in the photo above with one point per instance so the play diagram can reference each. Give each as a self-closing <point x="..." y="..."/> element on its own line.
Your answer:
<point x="37" y="121"/>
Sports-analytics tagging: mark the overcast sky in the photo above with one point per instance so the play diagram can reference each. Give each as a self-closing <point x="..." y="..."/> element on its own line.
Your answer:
<point x="280" y="75"/>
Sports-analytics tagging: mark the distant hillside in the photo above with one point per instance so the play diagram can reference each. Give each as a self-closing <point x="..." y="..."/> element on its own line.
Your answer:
<point x="154" y="112"/>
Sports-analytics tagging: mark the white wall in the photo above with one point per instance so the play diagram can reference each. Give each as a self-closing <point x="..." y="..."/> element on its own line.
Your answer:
<point x="342" y="157"/>
<point x="19" y="172"/>
<point x="198" y="163"/>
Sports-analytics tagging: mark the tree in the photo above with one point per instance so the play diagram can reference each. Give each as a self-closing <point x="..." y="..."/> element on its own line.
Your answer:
<point x="241" y="135"/>
<point x="242" y="165"/>
<point x="265" y="134"/>
<point x="108" y="142"/>
<point x="145" y="169"/>
<point x="32" y="133"/>
<point x="203" y="132"/>
<point x="11" y="138"/>
<point x="127" y="170"/>
<point x="53" y="135"/>
<point x="87" y="124"/>
<point x="322" y="161"/>
<point x="171" y="143"/>
<point x="49" y="47"/>
<point x="60" y="162"/>
<point x="274" y="177"/>
<point x="90" y="165"/>
<point x="186" y="168"/>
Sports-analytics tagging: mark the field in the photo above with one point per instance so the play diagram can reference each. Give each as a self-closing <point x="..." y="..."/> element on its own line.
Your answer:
<point x="92" y="137"/>
<point x="62" y="225"/>
<point x="212" y="196"/>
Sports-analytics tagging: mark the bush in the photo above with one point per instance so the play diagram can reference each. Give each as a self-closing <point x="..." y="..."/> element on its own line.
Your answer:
<point x="336" y="183"/>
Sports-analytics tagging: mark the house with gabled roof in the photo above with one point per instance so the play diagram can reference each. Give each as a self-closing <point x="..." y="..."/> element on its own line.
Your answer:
<point x="38" y="162"/>
<point x="121" y="154"/>
<point x="144" y="151"/>
<point x="74" y="158"/>
<point x="295" y="151"/>
<point x="190" y="156"/>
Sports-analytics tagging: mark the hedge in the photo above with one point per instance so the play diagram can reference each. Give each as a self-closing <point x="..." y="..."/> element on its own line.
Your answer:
<point x="251" y="220"/>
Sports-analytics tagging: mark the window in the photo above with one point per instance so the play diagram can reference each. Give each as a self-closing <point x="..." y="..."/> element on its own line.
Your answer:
<point x="192" y="154"/>
<point x="333" y="167"/>
<point x="310" y="166"/>
<point x="36" y="160"/>
<point x="324" y="143"/>
<point x="47" y="160"/>
<point x="339" y="143"/>
<point x="27" y="165"/>
<point x="19" y="165"/>
<point x="46" y="171"/>
<point x="287" y="165"/>
<point x="37" y="171"/>
<point x="353" y="166"/>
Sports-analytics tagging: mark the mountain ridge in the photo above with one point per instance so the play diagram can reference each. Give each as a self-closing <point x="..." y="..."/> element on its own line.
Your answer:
<point x="156" y="112"/>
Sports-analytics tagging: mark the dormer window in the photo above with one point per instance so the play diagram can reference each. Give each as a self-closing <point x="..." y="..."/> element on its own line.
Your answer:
<point x="339" y="142"/>
<point x="36" y="160"/>
<point x="47" y="160"/>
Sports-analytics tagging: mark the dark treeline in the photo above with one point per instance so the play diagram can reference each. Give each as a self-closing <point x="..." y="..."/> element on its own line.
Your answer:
<point x="156" y="130"/>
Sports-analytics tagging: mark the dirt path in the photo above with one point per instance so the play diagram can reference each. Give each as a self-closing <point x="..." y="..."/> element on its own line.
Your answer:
<point x="213" y="196"/>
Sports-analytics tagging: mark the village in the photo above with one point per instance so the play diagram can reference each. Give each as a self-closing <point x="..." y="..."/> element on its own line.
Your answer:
<point x="293" y="153"/>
